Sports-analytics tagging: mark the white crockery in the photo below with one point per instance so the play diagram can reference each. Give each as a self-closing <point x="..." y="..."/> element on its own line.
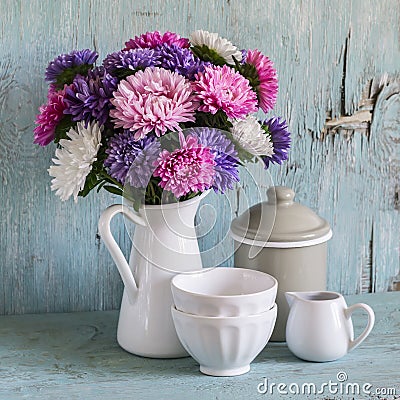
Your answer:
<point x="319" y="326"/>
<point x="224" y="292"/>
<point x="224" y="346"/>
<point x="164" y="244"/>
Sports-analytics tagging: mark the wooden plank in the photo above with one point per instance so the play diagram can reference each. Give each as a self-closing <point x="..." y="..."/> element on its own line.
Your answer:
<point x="326" y="54"/>
<point x="75" y="355"/>
<point x="385" y="165"/>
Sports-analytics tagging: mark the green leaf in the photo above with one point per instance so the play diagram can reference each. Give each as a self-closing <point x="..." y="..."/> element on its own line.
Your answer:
<point x="109" y="179"/>
<point x="170" y="141"/>
<point x="206" y="54"/>
<point x="113" y="190"/>
<point x="189" y="196"/>
<point x="67" y="76"/>
<point x="125" y="72"/>
<point x="219" y="120"/>
<point x="249" y="71"/>
<point x="101" y="185"/>
<point x="92" y="180"/>
<point x="266" y="130"/>
<point x="90" y="183"/>
<point x="136" y="205"/>
<point x="63" y="127"/>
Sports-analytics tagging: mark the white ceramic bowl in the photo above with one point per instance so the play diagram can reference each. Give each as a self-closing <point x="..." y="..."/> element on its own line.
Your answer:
<point x="224" y="346"/>
<point x="224" y="292"/>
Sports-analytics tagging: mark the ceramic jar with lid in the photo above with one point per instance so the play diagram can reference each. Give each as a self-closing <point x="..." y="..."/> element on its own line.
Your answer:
<point x="286" y="240"/>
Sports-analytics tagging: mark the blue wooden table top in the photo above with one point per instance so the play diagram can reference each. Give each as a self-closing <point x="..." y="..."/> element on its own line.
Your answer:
<point x="76" y="356"/>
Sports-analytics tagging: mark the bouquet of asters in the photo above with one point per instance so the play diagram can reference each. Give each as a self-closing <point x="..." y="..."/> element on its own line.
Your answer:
<point x="168" y="116"/>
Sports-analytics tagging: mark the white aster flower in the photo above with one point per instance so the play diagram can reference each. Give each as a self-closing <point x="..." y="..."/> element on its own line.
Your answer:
<point x="220" y="45"/>
<point x="250" y="135"/>
<point x="75" y="159"/>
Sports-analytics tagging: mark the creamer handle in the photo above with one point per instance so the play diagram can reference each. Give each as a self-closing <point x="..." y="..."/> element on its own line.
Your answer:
<point x="371" y="320"/>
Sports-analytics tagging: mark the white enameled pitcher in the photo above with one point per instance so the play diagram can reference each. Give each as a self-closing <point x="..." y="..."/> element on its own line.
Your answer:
<point x="164" y="244"/>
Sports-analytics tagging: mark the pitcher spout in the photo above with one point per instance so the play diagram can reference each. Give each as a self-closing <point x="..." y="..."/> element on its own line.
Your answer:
<point x="291" y="297"/>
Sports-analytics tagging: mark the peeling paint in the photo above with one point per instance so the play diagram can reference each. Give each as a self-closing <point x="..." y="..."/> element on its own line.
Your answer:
<point x="395" y="286"/>
<point x="362" y="117"/>
<point x="359" y="120"/>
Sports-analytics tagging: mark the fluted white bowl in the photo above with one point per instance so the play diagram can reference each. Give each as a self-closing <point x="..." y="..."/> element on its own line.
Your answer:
<point x="224" y="346"/>
<point x="224" y="292"/>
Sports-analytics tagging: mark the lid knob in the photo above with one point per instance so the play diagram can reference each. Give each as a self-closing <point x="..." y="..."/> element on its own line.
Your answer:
<point x="280" y="195"/>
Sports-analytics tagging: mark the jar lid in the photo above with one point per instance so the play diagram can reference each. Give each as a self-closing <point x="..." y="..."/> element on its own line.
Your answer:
<point x="280" y="222"/>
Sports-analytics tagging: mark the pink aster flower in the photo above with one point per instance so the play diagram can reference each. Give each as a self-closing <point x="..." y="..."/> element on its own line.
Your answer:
<point x="187" y="169"/>
<point x="222" y="88"/>
<point x="268" y="88"/>
<point x="153" y="100"/>
<point x="150" y="40"/>
<point x="50" y="114"/>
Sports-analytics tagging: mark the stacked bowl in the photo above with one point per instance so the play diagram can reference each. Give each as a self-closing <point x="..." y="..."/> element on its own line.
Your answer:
<point x="224" y="317"/>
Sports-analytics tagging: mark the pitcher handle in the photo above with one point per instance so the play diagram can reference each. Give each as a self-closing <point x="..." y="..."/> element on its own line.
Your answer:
<point x="371" y="320"/>
<point x="114" y="249"/>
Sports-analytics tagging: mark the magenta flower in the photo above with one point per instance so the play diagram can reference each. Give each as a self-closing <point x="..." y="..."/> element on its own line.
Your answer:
<point x="150" y="40"/>
<point x="267" y="89"/>
<point x="222" y="88"/>
<point x="153" y="100"/>
<point x="187" y="169"/>
<point x="50" y="115"/>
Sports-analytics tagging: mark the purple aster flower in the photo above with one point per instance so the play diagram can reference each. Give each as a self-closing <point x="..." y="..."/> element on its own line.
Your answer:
<point x="130" y="159"/>
<point x="90" y="96"/>
<point x="280" y="136"/>
<point x="64" y="62"/>
<point x="180" y="60"/>
<point x="225" y="156"/>
<point x="120" y="62"/>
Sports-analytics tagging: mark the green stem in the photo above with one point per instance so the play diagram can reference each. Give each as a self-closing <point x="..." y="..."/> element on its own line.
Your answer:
<point x="114" y="181"/>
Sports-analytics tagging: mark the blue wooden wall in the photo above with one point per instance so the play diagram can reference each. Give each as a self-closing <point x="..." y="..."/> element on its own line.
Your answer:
<point x="339" y="66"/>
